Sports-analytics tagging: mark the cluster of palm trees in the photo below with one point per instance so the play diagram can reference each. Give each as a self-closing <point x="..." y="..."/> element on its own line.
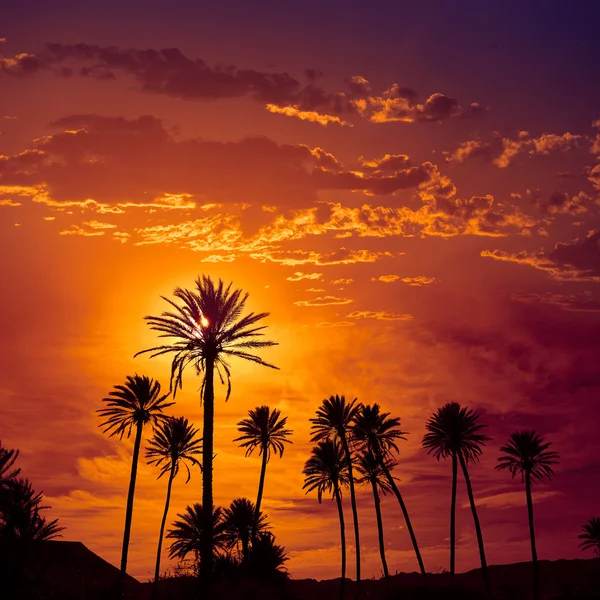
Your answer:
<point x="352" y="437"/>
<point x="21" y="505"/>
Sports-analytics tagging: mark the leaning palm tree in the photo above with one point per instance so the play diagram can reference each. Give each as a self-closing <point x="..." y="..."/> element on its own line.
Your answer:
<point x="136" y="403"/>
<point x="378" y="432"/>
<point x="208" y="328"/>
<point x="527" y="454"/>
<point x="327" y="472"/>
<point x="455" y="432"/>
<point x="333" y="421"/>
<point x="240" y="521"/>
<point x="372" y="473"/>
<point x="265" y="430"/>
<point x="175" y="443"/>
<point x="590" y="536"/>
<point x="187" y="532"/>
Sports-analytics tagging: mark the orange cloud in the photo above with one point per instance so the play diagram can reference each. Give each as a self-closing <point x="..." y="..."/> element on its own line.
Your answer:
<point x="379" y="315"/>
<point x="307" y="115"/>
<point x="324" y="301"/>
<point x="299" y="276"/>
<point x="418" y="281"/>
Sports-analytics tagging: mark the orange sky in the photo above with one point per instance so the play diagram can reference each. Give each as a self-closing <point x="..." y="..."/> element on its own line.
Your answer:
<point x="413" y="248"/>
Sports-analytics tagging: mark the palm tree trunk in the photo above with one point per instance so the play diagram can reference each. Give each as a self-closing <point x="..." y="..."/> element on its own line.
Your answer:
<point x="406" y="517"/>
<point x="129" y="510"/>
<point x="206" y="537"/>
<point x="453" y="515"/>
<point x="484" y="571"/>
<point x="380" y="531"/>
<point x="338" y="499"/>
<point x="354" y="513"/>
<point x="536" y="575"/>
<point x="162" y="530"/>
<point x="261" y="486"/>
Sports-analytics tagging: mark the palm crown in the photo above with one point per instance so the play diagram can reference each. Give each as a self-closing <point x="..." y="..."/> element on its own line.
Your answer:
<point x="208" y="324"/>
<point x="264" y="430"/>
<point x="377" y="431"/>
<point x="238" y="522"/>
<point x="7" y="460"/>
<point x="372" y="471"/>
<point x="326" y="470"/>
<point x="527" y="454"/>
<point x="187" y="531"/>
<point x="334" y="418"/>
<point x="174" y="443"/>
<point x="137" y="402"/>
<point x="454" y="430"/>
<point x="590" y="536"/>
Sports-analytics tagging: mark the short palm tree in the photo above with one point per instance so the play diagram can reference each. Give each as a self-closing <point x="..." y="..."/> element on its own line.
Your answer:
<point x="267" y="559"/>
<point x="327" y="472"/>
<point x="378" y="433"/>
<point x="208" y="328"/>
<point x="175" y="443"/>
<point x="590" y="536"/>
<point x="372" y="474"/>
<point x="333" y="421"/>
<point x="265" y="430"/>
<point x="186" y="533"/>
<point x="136" y="403"/>
<point x="527" y="454"/>
<point x="455" y="432"/>
<point x="239" y="524"/>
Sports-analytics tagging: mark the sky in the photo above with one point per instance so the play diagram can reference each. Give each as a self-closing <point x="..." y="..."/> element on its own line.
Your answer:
<point x="412" y="191"/>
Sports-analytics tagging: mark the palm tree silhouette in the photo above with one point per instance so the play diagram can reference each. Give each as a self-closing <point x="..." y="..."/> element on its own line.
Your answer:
<point x="267" y="559"/>
<point x="134" y="404"/>
<point x="20" y="516"/>
<point x="527" y="454"/>
<point x="333" y="421"/>
<point x="590" y="536"/>
<point x="175" y="442"/>
<point x="208" y="328"/>
<point x="373" y="474"/>
<point x="265" y="430"/>
<point x="327" y="471"/>
<point x="187" y="532"/>
<point x="240" y="520"/>
<point x="7" y="461"/>
<point x="378" y="432"/>
<point x="454" y="432"/>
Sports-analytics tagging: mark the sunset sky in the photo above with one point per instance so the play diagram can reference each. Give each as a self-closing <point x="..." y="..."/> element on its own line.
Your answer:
<point x="412" y="190"/>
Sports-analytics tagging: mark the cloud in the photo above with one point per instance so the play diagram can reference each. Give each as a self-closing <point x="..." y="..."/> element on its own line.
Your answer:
<point x="8" y="202"/>
<point x="578" y="260"/>
<point x="386" y="278"/>
<point x="77" y="230"/>
<point x="324" y="301"/>
<point x="336" y="324"/>
<point x="418" y="281"/>
<point x="571" y="302"/>
<point x="342" y="256"/>
<point x="502" y="151"/>
<point x="307" y="115"/>
<point x="561" y="203"/>
<point x="379" y="315"/>
<point x="346" y="281"/>
<point x="299" y="276"/>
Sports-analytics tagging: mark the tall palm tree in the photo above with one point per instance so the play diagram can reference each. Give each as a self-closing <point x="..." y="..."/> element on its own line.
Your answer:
<point x="136" y="403"/>
<point x="208" y="329"/>
<point x="378" y="432"/>
<point x="455" y="432"/>
<point x="527" y="454"/>
<point x="327" y="472"/>
<point x="187" y="532"/>
<point x="265" y="430"/>
<point x="590" y="536"/>
<point x="333" y="421"/>
<point x="175" y="442"/>
<point x="373" y="474"/>
<point x="239" y="523"/>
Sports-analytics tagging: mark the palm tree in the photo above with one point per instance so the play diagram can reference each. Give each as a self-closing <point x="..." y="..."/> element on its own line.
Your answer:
<point x="7" y="460"/>
<point x="333" y="421"/>
<point x="175" y="442"/>
<point x="267" y="559"/>
<point x="455" y="432"/>
<point x="527" y="454"/>
<point x="20" y="513"/>
<point x="187" y="532"/>
<point x="134" y="404"/>
<point x="327" y="471"/>
<point x="373" y="475"/>
<point x="208" y="328"/>
<point x="266" y="431"/>
<point x="240" y="520"/>
<point x="378" y="432"/>
<point x="590" y="536"/>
